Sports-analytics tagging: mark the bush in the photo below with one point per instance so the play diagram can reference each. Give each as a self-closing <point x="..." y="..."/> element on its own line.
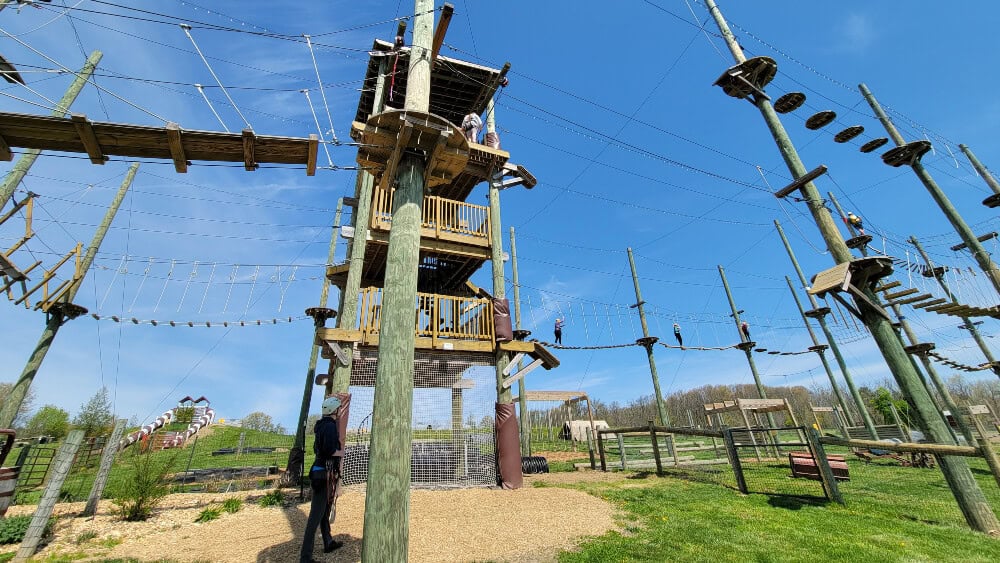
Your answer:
<point x="184" y="415"/>
<point x="273" y="498"/>
<point x="209" y="514"/>
<point x="232" y="505"/>
<point x="145" y="485"/>
<point x="13" y="528"/>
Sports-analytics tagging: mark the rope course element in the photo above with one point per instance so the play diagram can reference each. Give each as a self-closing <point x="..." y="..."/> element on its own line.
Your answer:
<point x="207" y="324"/>
<point x="953" y="364"/>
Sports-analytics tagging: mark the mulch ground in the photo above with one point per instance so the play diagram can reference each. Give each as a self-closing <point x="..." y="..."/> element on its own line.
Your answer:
<point x="528" y="524"/>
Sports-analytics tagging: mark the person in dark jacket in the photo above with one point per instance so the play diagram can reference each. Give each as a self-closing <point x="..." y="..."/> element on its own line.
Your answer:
<point x="323" y="477"/>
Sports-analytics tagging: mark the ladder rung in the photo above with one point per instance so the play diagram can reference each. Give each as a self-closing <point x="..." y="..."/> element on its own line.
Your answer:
<point x="898" y="294"/>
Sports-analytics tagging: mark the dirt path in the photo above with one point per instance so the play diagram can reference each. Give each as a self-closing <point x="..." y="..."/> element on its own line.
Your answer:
<point x="529" y="524"/>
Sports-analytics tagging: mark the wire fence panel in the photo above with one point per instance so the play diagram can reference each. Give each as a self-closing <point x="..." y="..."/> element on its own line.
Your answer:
<point x="776" y="461"/>
<point x="700" y="458"/>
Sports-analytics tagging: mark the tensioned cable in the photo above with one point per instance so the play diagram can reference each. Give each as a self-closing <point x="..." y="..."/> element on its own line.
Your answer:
<point x="322" y="91"/>
<point x="319" y="129"/>
<point x="211" y="107"/>
<point x="187" y="31"/>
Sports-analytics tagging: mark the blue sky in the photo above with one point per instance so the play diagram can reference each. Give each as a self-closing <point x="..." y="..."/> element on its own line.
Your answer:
<point x="611" y="106"/>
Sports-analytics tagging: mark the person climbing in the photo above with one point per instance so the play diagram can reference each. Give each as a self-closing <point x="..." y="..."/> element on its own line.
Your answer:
<point x="471" y="125"/>
<point x="745" y="329"/>
<point x="856" y="222"/>
<point x="677" y="335"/>
<point x="558" y="330"/>
<point x="323" y="478"/>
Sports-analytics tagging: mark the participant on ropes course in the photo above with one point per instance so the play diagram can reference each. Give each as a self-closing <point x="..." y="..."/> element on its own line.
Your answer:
<point x="558" y="330"/>
<point x="471" y="125"/>
<point x="677" y="335"/>
<point x="856" y="222"/>
<point x="745" y="329"/>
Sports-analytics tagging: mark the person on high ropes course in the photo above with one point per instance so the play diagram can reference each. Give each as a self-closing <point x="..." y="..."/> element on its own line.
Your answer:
<point x="677" y="335"/>
<point x="856" y="222"/>
<point x="558" y="330"/>
<point x="472" y="124"/>
<point x="745" y="329"/>
<point x="323" y="478"/>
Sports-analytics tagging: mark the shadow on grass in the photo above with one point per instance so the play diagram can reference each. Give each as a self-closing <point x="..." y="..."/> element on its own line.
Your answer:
<point x="790" y="502"/>
<point x="296" y="514"/>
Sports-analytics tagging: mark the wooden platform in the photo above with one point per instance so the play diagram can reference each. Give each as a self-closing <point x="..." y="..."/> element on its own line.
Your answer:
<point x="804" y="465"/>
<point x="100" y="140"/>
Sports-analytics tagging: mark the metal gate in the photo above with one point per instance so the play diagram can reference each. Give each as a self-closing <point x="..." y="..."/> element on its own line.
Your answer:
<point x="762" y="459"/>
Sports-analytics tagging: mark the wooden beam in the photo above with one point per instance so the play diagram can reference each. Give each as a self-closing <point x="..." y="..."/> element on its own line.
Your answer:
<point x="442" y="29"/>
<point x="176" y="145"/>
<point x="311" y="157"/>
<point x="249" y="148"/>
<point x="801" y="181"/>
<point x="5" y="153"/>
<point x="89" y="139"/>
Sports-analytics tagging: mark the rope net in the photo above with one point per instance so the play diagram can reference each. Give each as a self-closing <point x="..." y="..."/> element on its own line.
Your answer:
<point x="453" y="442"/>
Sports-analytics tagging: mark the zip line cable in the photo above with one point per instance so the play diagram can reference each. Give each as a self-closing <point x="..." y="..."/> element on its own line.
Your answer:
<point x="187" y="31"/>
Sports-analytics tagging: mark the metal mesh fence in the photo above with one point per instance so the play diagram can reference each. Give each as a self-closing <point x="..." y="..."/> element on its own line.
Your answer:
<point x="776" y="461"/>
<point x="454" y="399"/>
<point x="701" y="458"/>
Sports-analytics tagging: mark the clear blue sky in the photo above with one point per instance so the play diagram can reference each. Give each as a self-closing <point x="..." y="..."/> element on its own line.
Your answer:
<point x="610" y="105"/>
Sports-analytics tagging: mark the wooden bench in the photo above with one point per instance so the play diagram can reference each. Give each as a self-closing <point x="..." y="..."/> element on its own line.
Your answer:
<point x="804" y="465"/>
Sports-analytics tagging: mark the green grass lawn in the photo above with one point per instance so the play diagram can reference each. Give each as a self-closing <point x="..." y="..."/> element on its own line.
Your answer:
<point x="892" y="514"/>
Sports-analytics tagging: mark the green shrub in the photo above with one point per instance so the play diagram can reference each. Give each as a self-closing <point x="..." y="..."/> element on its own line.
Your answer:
<point x="144" y="487"/>
<point x="209" y="514"/>
<point x="273" y="498"/>
<point x="13" y="528"/>
<point x="184" y="415"/>
<point x="85" y="536"/>
<point x="232" y="505"/>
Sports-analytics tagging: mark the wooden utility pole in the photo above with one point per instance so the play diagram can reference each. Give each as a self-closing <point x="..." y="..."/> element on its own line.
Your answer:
<point x="387" y="505"/>
<point x="348" y="313"/>
<point x="647" y="343"/>
<point x="866" y="417"/>
<point x="745" y="344"/>
<point x="968" y="495"/>
<point x="57" y="314"/>
<point x="522" y="394"/>
<point x="29" y="156"/>
<point x="817" y="347"/>
<point x="496" y="256"/>
<point x="104" y="469"/>
<point x="984" y="172"/>
<point x="964" y="232"/>
<point x="296" y="456"/>
<point x="969" y="324"/>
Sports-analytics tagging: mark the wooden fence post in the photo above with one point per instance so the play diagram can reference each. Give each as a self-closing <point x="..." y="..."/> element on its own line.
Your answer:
<point x="600" y="449"/>
<point x="673" y="448"/>
<point x="988" y="452"/>
<point x="656" y="448"/>
<point x="825" y="471"/>
<point x="590" y="448"/>
<point x="107" y="459"/>
<point x="62" y="464"/>
<point x="734" y="460"/>
<point x="621" y="450"/>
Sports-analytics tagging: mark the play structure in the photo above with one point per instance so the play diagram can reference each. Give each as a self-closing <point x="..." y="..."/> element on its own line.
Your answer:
<point x="201" y="415"/>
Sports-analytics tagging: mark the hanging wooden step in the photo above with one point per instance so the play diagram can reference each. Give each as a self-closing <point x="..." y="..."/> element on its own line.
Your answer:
<point x="908" y="154"/>
<point x="775" y="352"/>
<point x="860" y="241"/>
<point x="898" y="294"/>
<point x="874" y="144"/>
<point x="929" y="303"/>
<point x="992" y="201"/>
<point x="915" y="299"/>
<point x="789" y="102"/>
<point x="819" y="348"/>
<point x="821" y="119"/>
<point x="887" y="286"/>
<point x="746" y="346"/>
<point x="761" y="350"/>
<point x="848" y="134"/>
<point x="919" y="349"/>
<point x="748" y="77"/>
<point x="817" y="313"/>
<point x="933" y="272"/>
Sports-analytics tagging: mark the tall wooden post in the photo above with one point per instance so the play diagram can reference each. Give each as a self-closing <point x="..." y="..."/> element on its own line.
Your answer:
<point x="61" y="465"/>
<point x="969" y="324"/>
<point x="496" y="256"/>
<point x="29" y="156"/>
<point x="969" y="496"/>
<point x="661" y="407"/>
<point x="964" y="232"/>
<point x="348" y="314"/>
<point x="57" y="315"/>
<point x="296" y="456"/>
<point x="982" y="170"/>
<point x="820" y="350"/>
<point x="107" y="459"/>
<point x="866" y="417"/>
<point x="746" y="344"/>
<point x="387" y="505"/>
<point x="522" y="393"/>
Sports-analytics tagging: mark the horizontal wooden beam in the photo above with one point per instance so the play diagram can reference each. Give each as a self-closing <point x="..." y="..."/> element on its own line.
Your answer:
<point x="801" y="181"/>
<point x="943" y="449"/>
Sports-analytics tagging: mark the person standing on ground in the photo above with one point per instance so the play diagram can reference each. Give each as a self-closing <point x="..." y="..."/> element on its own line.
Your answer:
<point x="558" y="330"/>
<point x="677" y="335"/>
<point x="323" y="477"/>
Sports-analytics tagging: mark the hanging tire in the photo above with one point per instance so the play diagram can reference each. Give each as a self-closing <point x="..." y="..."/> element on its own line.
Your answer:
<point x="534" y="464"/>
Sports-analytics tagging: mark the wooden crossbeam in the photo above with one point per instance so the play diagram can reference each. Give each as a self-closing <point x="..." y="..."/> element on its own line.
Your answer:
<point x="914" y="299"/>
<point x="89" y="139"/>
<point x="887" y="286"/>
<point x="312" y="155"/>
<point x="898" y="294"/>
<point x="5" y="153"/>
<point x="981" y="238"/>
<point x="930" y="303"/>
<point x="801" y="181"/>
<point x="249" y="148"/>
<point x="176" y="146"/>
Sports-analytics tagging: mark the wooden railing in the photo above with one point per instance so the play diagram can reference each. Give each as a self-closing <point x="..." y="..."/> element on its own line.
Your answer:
<point x="440" y="218"/>
<point x="437" y="316"/>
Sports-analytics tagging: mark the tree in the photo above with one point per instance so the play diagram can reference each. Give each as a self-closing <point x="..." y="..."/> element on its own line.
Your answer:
<point x="883" y="403"/>
<point x="50" y="420"/>
<point x="26" y="405"/>
<point x="263" y="422"/>
<point x="95" y="417"/>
